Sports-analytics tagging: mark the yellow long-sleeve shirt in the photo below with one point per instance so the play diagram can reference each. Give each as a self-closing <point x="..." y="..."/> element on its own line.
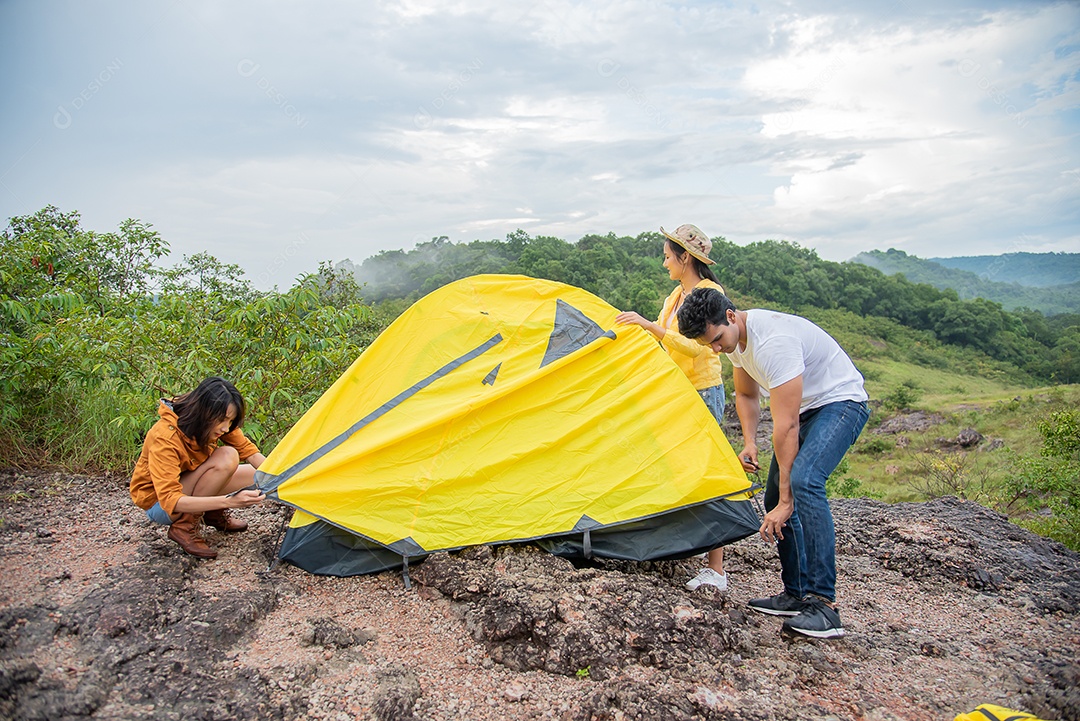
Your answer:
<point x="700" y="364"/>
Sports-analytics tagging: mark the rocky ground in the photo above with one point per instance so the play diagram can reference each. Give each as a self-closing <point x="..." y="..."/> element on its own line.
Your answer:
<point x="947" y="606"/>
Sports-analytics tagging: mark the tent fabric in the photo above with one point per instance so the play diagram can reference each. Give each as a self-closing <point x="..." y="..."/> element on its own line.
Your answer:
<point x="500" y="409"/>
<point x="991" y="712"/>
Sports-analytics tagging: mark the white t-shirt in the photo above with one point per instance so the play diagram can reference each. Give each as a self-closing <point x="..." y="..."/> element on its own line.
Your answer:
<point x="780" y="347"/>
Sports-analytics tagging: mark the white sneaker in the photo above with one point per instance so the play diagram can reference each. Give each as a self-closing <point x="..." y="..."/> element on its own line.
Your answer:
<point x="708" y="577"/>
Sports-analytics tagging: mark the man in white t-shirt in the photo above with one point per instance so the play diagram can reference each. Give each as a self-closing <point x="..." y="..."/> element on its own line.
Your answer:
<point x="819" y="407"/>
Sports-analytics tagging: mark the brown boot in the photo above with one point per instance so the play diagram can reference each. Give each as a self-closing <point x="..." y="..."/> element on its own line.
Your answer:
<point x="185" y="531"/>
<point x="222" y="521"/>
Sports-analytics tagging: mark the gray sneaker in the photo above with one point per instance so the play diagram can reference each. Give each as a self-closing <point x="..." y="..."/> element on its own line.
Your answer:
<point x="782" y="604"/>
<point x="818" y="619"/>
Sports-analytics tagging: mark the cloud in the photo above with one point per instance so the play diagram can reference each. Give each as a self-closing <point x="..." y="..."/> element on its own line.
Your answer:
<point x="926" y="132"/>
<point x="260" y="132"/>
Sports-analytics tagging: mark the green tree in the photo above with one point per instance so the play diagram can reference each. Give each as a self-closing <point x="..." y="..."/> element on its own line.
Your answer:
<point x="1066" y="356"/>
<point x="1051" y="480"/>
<point x="204" y="274"/>
<point x="48" y="253"/>
<point x="86" y="348"/>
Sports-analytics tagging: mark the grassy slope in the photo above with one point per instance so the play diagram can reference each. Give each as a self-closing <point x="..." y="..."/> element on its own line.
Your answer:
<point x="937" y="386"/>
<point x="995" y="409"/>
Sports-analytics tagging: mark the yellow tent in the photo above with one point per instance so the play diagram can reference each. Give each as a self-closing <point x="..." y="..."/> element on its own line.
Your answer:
<point x="499" y="409"/>
<point x="990" y="712"/>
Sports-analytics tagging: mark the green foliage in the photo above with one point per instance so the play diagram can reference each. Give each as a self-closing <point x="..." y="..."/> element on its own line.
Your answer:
<point x="1040" y="270"/>
<point x="1049" y="483"/>
<point x="1036" y="484"/>
<point x="1050" y="489"/>
<point x="902" y="397"/>
<point x="1061" y="435"/>
<point x="960" y="474"/>
<point x="1044" y="281"/>
<point x="847" y="487"/>
<point x="202" y="274"/>
<point x="875" y="446"/>
<point x="626" y="272"/>
<point x="895" y="316"/>
<point x="47" y="255"/>
<point x="86" y="349"/>
<point x="1065" y="359"/>
<point x="841" y="485"/>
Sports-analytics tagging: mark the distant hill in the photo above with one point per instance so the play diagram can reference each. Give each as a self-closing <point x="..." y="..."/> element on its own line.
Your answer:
<point x="1038" y="270"/>
<point x="1058" y="298"/>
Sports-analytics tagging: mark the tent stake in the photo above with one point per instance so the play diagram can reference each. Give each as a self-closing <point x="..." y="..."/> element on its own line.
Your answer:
<point x="274" y="560"/>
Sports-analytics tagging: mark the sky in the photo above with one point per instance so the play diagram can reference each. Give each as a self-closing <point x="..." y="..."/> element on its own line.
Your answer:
<point x="276" y="135"/>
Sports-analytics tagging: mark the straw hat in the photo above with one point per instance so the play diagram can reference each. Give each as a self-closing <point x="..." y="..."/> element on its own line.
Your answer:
<point x="693" y="241"/>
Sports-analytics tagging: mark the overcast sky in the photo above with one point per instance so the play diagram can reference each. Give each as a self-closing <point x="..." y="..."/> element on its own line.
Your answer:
<point x="276" y="135"/>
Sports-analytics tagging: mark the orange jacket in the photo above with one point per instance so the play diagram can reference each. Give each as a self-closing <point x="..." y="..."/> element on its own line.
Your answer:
<point x="167" y="453"/>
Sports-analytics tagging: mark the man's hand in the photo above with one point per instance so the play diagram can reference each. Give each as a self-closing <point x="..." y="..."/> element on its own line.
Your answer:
<point x="775" y="520"/>
<point x="748" y="456"/>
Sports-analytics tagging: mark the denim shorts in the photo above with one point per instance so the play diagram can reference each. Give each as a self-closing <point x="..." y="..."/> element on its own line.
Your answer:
<point x="714" y="399"/>
<point x="157" y="514"/>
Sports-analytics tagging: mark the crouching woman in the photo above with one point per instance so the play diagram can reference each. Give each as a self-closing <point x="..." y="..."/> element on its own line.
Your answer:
<point x="193" y="460"/>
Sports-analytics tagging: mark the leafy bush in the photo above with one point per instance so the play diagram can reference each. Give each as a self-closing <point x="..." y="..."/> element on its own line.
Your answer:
<point x="840" y="485"/>
<point x="902" y="397"/>
<point x="1061" y="435"/>
<point x="959" y="474"/>
<point x="847" y="487"/>
<point x="1051" y="480"/>
<point x="86" y="348"/>
<point x="875" y="446"/>
<point x="871" y="374"/>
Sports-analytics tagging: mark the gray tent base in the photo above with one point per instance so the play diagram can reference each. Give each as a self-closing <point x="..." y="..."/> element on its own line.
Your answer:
<point x="325" y="549"/>
<point x="668" y="537"/>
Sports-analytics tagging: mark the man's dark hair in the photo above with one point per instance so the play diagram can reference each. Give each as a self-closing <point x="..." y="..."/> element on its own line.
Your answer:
<point x="703" y="306"/>
<point x="197" y="411"/>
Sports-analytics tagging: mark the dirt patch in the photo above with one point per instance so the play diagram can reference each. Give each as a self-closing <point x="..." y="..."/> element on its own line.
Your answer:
<point x="946" y="604"/>
<point x="910" y="422"/>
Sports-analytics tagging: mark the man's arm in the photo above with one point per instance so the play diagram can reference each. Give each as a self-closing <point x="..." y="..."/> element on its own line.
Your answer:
<point x="784" y="401"/>
<point x="748" y="408"/>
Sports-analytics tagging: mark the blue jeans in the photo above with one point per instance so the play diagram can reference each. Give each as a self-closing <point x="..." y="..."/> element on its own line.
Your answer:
<point x="157" y="514"/>
<point x="714" y="400"/>
<point x="808" y="549"/>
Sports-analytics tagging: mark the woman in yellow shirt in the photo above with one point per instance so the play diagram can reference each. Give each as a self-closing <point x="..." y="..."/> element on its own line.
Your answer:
<point x="686" y="257"/>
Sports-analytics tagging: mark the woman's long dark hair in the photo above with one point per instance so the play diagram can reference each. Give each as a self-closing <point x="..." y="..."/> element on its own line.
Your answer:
<point x="700" y="267"/>
<point x="199" y="410"/>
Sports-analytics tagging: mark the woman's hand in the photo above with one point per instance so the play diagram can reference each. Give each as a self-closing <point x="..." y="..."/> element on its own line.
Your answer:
<point x="245" y="499"/>
<point x="629" y="317"/>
